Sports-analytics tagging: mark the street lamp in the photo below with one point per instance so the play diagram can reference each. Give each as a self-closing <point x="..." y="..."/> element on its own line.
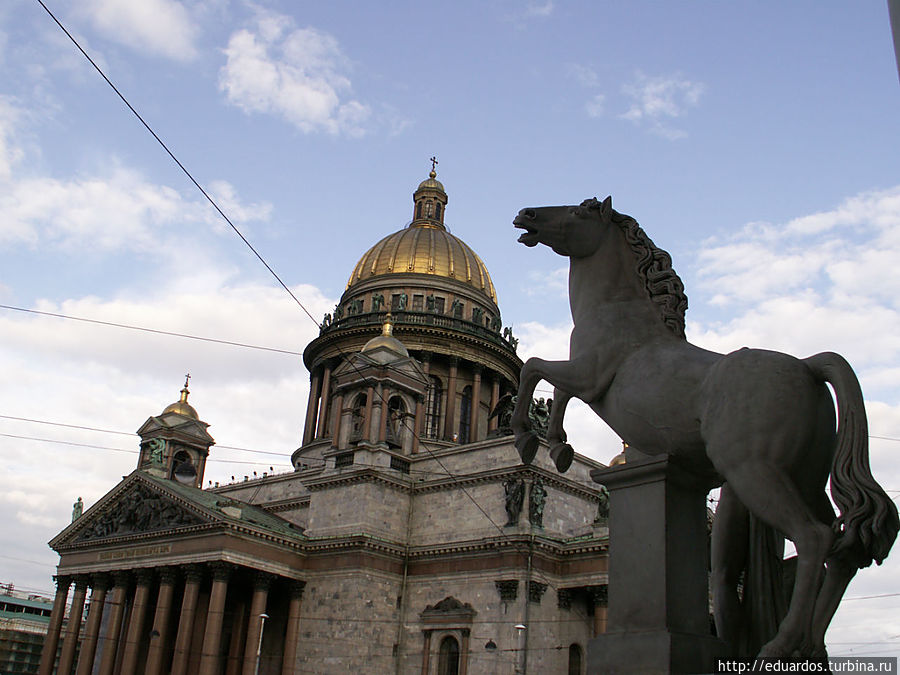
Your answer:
<point x="262" y="627"/>
<point x="520" y="661"/>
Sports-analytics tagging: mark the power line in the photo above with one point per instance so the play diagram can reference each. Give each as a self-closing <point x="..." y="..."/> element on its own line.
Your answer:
<point x="106" y="447"/>
<point x="151" y="330"/>
<point x="870" y="597"/>
<point x="313" y="460"/>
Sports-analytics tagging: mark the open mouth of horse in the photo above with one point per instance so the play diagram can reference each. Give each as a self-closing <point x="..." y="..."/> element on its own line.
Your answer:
<point x="530" y="236"/>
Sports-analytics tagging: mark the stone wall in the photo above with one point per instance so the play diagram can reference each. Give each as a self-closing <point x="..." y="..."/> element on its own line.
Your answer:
<point x="349" y="623"/>
<point x="354" y="506"/>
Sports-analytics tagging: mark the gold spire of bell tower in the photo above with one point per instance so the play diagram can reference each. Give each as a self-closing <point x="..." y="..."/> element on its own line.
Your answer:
<point x="185" y="391"/>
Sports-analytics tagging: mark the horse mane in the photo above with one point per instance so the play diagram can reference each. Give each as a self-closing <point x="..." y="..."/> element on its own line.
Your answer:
<point x="654" y="267"/>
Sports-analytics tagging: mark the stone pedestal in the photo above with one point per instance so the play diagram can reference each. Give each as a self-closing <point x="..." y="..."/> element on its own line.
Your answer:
<point x="658" y="617"/>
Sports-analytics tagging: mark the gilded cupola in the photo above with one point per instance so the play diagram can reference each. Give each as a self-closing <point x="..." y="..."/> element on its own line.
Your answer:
<point x="426" y="247"/>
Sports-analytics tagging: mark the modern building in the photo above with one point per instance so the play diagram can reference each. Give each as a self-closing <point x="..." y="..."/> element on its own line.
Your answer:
<point x="24" y="619"/>
<point x="409" y="538"/>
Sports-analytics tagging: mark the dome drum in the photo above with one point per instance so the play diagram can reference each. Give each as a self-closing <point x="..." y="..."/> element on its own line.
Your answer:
<point x="443" y="335"/>
<point x="484" y="329"/>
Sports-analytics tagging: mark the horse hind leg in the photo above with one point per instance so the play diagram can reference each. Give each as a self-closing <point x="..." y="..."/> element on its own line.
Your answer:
<point x="561" y="452"/>
<point x="728" y="558"/>
<point x="769" y="493"/>
<point x="840" y="568"/>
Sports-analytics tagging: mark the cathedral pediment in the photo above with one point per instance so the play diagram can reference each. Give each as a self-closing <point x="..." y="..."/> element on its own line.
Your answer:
<point x="144" y="505"/>
<point x="137" y="506"/>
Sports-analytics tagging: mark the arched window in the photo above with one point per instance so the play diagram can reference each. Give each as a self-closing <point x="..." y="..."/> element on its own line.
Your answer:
<point x="419" y="210"/>
<point x="576" y="657"/>
<point x="448" y="656"/>
<point x="429" y="207"/>
<point x="358" y="425"/>
<point x="433" y="407"/>
<point x="396" y="415"/>
<point x="183" y="469"/>
<point x="437" y="211"/>
<point x="465" y="415"/>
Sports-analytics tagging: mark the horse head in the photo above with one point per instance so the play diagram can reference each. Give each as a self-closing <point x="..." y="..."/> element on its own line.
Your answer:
<point x="572" y="231"/>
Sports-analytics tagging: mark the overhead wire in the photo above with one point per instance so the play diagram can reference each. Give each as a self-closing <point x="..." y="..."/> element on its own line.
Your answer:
<point x="312" y="460"/>
<point x="111" y="449"/>
<point x="151" y="330"/>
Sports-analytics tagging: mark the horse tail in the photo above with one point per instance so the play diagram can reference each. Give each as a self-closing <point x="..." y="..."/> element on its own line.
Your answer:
<point x="868" y="520"/>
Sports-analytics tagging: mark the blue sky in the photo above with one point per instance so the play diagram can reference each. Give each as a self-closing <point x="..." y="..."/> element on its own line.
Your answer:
<point x="756" y="142"/>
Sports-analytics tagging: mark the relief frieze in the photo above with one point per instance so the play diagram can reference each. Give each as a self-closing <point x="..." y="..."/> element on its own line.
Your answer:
<point x="139" y="511"/>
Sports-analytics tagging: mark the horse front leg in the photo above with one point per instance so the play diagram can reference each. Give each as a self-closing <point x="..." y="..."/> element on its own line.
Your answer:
<point x="561" y="452"/>
<point x="526" y="440"/>
<point x="570" y="378"/>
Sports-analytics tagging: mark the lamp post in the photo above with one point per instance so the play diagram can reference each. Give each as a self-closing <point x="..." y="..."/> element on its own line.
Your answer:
<point x="262" y="627"/>
<point x="520" y="661"/>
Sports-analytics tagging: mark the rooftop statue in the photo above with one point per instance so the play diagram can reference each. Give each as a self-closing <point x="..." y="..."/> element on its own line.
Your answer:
<point x="760" y="422"/>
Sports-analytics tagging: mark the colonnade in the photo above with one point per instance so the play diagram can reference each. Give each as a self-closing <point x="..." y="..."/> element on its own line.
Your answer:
<point x="120" y="635"/>
<point x="319" y="403"/>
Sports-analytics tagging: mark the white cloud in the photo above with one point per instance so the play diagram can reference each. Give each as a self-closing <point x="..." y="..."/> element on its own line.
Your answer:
<point x="827" y="281"/>
<point x="539" y="9"/>
<point x="595" y="106"/>
<point x="159" y="27"/>
<point x="555" y="283"/>
<point x="661" y="98"/>
<point x="10" y="153"/>
<point x="121" y="211"/>
<point x="295" y="73"/>
<point x="845" y="256"/>
<point x="584" y="75"/>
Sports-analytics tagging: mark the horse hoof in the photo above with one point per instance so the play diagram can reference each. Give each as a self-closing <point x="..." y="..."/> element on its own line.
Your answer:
<point x="527" y="444"/>
<point x="562" y="455"/>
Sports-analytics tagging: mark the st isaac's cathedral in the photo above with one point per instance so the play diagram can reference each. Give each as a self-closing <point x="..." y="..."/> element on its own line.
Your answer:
<point x="409" y="538"/>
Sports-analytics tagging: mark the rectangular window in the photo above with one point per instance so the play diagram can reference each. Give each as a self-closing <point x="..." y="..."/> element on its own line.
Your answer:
<point x="438" y="305"/>
<point x="343" y="459"/>
<point x="418" y="303"/>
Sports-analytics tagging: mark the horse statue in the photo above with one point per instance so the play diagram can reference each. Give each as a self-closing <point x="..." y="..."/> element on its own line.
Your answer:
<point x="759" y="423"/>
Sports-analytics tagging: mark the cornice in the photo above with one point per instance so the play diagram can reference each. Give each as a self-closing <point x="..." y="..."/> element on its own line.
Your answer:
<point x="502" y="474"/>
<point x="289" y="504"/>
<point x="363" y="475"/>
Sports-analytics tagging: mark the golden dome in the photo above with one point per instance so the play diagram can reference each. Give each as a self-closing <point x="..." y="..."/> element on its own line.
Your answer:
<point x="386" y="340"/>
<point x="424" y="249"/>
<point x="181" y="406"/>
<point x="431" y="183"/>
<point x="425" y="246"/>
<point x="620" y="458"/>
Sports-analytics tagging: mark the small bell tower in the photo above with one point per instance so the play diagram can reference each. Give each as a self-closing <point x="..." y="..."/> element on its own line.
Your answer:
<point x="175" y="444"/>
<point x="430" y="201"/>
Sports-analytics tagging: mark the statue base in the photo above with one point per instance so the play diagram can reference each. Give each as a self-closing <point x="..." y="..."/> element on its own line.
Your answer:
<point x="658" y="616"/>
<point x="618" y="653"/>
